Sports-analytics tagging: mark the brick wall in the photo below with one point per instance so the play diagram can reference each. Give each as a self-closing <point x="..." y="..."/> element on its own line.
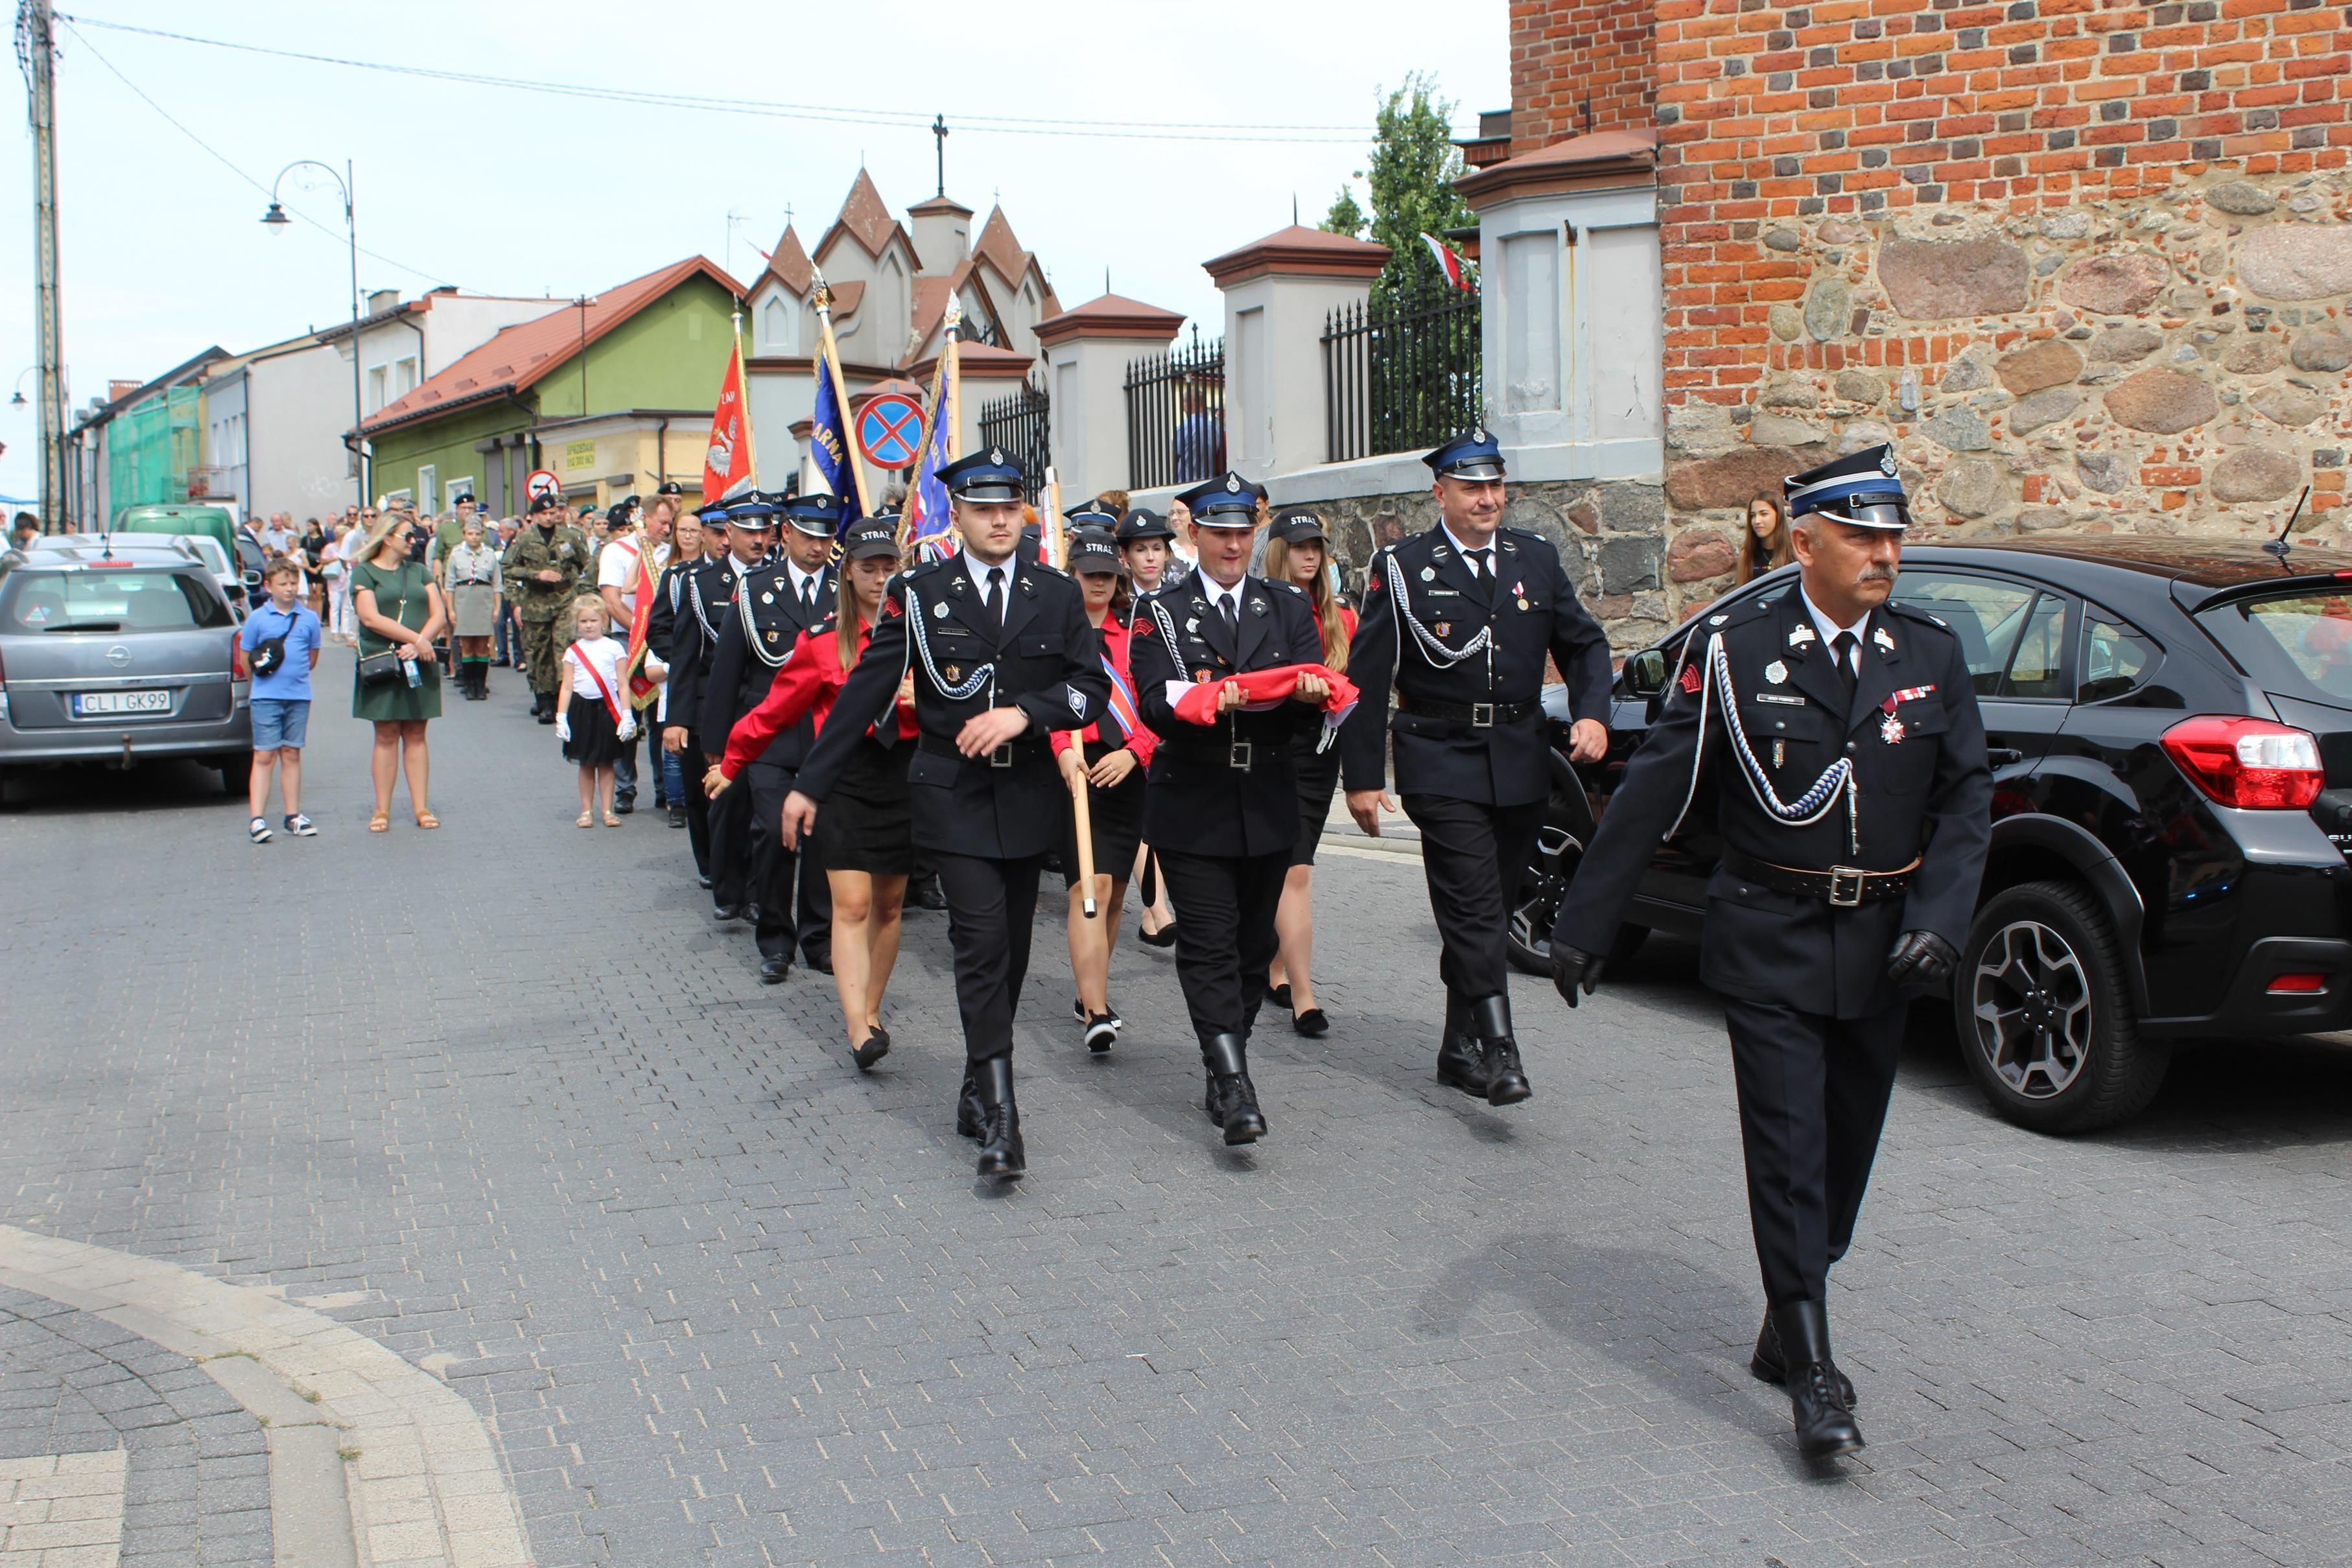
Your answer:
<point x="2087" y="263"/>
<point x="1569" y="59"/>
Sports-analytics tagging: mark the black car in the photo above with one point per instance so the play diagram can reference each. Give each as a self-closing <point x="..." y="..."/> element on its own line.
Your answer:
<point x="2169" y="723"/>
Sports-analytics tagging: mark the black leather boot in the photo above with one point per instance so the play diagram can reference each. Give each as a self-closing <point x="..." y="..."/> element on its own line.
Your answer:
<point x="1000" y="1151"/>
<point x="1506" y="1081"/>
<point x="1770" y="1365"/>
<point x="1826" y="1428"/>
<point x="969" y="1112"/>
<point x="1231" y="1091"/>
<point x="1460" y="1062"/>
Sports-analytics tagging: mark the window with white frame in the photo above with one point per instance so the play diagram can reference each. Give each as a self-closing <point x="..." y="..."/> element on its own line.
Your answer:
<point x="428" y="487"/>
<point x="377" y="381"/>
<point x="404" y="375"/>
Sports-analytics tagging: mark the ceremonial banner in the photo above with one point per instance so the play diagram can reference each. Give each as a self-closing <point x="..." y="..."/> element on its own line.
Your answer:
<point x="830" y="440"/>
<point x="927" y="525"/>
<point x="727" y="471"/>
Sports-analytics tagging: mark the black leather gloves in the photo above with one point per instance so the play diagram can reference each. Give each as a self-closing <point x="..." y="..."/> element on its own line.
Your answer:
<point x="1919" y="957"/>
<point x="1573" y="969"/>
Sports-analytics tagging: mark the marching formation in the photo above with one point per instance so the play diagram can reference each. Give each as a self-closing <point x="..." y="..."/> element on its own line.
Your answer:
<point x="848" y="720"/>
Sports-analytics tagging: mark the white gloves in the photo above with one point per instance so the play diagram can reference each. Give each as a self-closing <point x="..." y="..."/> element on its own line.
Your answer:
<point x="628" y="730"/>
<point x="562" y="727"/>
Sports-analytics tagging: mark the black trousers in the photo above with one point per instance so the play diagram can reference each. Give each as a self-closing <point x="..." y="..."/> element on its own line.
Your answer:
<point x="1812" y="1099"/>
<point x="730" y="846"/>
<point x="1225" y="934"/>
<point x="775" y="870"/>
<point x="691" y="767"/>
<point x="1474" y="858"/>
<point x="624" y="771"/>
<point x="991" y="904"/>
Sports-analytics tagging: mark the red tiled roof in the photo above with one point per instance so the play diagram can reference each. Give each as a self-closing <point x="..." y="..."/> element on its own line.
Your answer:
<point x="1110" y="315"/>
<point x="517" y="359"/>
<point x="791" y="264"/>
<point x="1604" y="157"/>
<point x="865" y="218"/>
<point x="1302" y="248"/>
<point x="997" y="246"/>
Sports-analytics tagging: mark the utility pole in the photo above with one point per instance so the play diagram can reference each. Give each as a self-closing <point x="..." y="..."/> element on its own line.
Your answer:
<point x="36" y="53"/>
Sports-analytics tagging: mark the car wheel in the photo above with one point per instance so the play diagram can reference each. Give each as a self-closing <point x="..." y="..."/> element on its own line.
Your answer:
<point x="1528" y="933"/>
<point x="236" y="771"/>
<point x="2044" y="1016"/>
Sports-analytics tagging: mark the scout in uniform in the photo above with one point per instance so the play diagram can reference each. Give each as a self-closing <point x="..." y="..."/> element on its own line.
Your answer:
<point x="1002" y="655"/>
<point x="542" y="569"/>
<point x="1839" y="730"/>
<point x="779" y="599"/>
<point x="711" y="594"/>
<point x="1221" y="808"/>
<point x="1457" y="621"/>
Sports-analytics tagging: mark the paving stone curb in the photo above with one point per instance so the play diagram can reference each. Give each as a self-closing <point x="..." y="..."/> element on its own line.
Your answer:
<point x="357" y="1434"/>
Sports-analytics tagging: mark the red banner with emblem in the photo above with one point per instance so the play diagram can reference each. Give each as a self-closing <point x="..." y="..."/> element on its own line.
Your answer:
<point x="727" y="463"/>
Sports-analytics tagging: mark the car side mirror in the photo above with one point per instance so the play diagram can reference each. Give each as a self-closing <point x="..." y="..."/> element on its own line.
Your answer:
<point x="1645" y="673"/>
<point x="252" y="581"/>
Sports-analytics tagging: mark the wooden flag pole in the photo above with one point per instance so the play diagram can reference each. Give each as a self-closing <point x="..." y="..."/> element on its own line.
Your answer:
<point x="1083" y="826"/>
<point x="840" y="392"/>
<point x="1058" y="552"/>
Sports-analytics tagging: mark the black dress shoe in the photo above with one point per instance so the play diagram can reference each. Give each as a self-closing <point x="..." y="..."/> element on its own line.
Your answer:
<point x="729" y="912"/>
<point x="876" y="1047"/>
<point x="968" y="1110"/>
<point x="1231" y="1091"/>
<point x="1280" y="995"/>
<point x="547" y="717"/>
<point x="1002" y="1155"/>
<point x="1506" y="1081"/>
<point x="772" y="971"/>
<point x="624" y="808"/>
<point x="1768" y="1365"/>
<point x="703" y="881"/>
<point x="1825" y="1426"/>
<point x="1313" y="1023"/>
<point x="923" y="892"/>
<point x="677" y="816"/>
<point x="821" y="962"/>
<point x="1460" y="1063"/>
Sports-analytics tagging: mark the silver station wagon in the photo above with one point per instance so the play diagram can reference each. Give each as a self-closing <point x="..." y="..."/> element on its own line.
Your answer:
<point x="119" y="652"/>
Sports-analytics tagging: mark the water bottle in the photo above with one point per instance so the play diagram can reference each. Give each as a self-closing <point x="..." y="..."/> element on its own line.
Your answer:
<point x="408" y="668"/>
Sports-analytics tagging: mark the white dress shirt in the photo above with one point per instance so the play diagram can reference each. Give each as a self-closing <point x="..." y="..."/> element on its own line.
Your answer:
<point x="1830" y="631"/>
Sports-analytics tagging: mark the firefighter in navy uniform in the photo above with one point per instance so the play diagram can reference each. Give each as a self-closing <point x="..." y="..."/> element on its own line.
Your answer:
<point x="1848" y="758"/>
<point x="1221" y="808"/>
<point x="1458" y="620"/>
<point x="791" y="591"/>
<point x="1002" y="653"/>
<point x="678" y="632"/>
<point x="711" y="596"/>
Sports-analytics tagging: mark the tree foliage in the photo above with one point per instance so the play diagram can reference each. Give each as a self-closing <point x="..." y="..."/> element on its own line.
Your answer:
<point x="1345" y="216"/>
<point x="1413" y="166"/>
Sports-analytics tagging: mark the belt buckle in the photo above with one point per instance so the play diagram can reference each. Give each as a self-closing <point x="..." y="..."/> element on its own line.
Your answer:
<point x="1481" y="716"/>
<point x="1838" y="876"/>
<point x="1001" y="756"/>
<point x="1237" y="755"/>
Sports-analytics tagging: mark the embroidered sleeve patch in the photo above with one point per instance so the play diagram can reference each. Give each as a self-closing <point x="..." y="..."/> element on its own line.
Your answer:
<point x="1690" y="681"/>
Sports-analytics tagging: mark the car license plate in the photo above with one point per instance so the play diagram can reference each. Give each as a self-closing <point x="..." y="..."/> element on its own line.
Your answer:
<point x="91" y="705"/>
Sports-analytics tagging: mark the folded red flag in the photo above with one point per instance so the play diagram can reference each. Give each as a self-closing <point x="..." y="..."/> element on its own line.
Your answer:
<point x="1196" y="702"/>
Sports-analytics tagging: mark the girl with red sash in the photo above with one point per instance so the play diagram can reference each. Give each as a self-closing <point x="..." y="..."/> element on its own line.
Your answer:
<point x="1298" y="551"/>
<point x="867" y="845"/>
<point x="590" y="717"/>
<point x="1110" y="755"/>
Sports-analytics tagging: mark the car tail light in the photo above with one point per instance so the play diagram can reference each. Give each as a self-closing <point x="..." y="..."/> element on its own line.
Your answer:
<point x="238" y="670"/>
<point x="2297" y="985"/>
<point x="2249" y="763"/>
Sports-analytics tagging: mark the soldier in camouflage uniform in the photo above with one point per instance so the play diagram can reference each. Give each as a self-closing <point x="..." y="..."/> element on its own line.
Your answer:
<point x="542" y="567"/>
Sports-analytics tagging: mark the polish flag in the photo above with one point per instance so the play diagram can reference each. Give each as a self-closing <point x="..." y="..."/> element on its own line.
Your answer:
<point x="1195" y="702"/>
<point x="1450" y="262"/>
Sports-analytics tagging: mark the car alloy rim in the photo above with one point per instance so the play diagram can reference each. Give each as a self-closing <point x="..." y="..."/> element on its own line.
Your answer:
<point x="2032" y="1006"/>
<point x="1532" y="922"/>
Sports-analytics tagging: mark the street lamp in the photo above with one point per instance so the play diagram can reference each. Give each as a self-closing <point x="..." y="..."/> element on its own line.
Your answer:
<point x="275" y="221"/>
<point x="18" y="399"/>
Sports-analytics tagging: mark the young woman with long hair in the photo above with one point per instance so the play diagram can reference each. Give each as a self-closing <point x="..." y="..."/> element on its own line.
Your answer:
<point x="1111" y="756"/>
<point x="1764" y="542"/>
<point x="868" y="846"/>
<point x="1298" y="551"/>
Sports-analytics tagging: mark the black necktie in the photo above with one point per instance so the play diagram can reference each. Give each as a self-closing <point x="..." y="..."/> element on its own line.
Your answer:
<point x="996" y="597"/>
<point x="1481" y="564"/>
<point x="1233" y="621"/>
<point x="808" y="597"/>
<point x="1842" y="649"/>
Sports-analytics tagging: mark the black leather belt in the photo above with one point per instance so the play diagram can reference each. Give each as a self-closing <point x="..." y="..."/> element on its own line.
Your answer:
<point x="1477" y="716"/>
<point x="1845" y="886"/>
<point x="1003" y="757"/>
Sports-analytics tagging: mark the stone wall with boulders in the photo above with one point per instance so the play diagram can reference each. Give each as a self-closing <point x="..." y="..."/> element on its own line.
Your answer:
<point x="2172" y="363"/>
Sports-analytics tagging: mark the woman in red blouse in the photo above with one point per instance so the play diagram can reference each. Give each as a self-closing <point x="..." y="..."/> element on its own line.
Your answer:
<point x="867" y="845"/>
<point x="1298" y="551"/>
<point x="1111" y="755"/>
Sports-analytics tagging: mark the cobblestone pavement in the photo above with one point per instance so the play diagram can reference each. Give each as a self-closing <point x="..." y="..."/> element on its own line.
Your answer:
<point x="501" y="1098"/>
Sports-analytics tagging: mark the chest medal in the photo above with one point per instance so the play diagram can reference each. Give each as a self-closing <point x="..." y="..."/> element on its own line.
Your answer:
<point x="1891" y="730"/>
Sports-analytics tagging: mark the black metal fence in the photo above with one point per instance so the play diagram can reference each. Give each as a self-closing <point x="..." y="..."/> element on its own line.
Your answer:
<point x="1019" y="424"/>
<point x="1400" y="374"/>
<point x="1176" y="414"/>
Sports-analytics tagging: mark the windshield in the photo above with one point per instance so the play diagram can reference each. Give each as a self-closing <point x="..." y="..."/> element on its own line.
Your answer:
<point x="109" y="599"/>
<point x="2298" y="644"/>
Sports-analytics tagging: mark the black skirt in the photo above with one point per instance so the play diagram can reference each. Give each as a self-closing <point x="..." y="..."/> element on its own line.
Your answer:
<point x="1117" y="815"/>
<point x="868" y="822"/>
<point x="596" y="742"/>
<point x="1318" y="776"/>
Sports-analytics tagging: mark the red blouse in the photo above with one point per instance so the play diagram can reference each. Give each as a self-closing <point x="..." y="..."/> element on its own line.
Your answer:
<point x="1116" y="637"/>
<point x="808" y="681"/>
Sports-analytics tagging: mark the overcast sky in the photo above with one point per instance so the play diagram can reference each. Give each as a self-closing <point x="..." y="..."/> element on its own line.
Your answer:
<point x="506" y="192"/>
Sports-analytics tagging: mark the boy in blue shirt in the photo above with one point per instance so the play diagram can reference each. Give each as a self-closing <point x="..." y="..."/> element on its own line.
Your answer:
<point x="280" y="695"/>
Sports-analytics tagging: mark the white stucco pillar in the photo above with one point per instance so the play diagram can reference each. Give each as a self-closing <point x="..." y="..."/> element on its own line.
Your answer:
<point x="1280" y="292"/>
<point x="1086" y="351"/>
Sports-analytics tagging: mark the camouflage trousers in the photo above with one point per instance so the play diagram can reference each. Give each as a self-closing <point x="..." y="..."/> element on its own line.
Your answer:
<point x="539" y="655"/>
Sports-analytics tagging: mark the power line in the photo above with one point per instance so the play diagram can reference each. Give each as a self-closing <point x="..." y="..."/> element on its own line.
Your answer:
<point x="222" y="158"/>
<point x="1011" y="125"/>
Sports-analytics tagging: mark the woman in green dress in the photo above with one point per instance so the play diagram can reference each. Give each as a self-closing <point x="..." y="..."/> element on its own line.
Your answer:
<point x="400" y="610"/>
